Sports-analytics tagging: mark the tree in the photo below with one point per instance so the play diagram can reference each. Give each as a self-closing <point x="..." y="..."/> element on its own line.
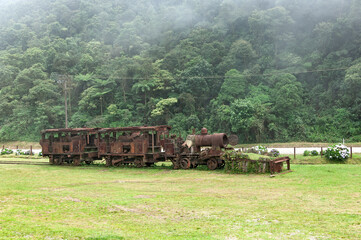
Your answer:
<point x="352" y="86"/>
<point x="162" y="110"/>
<point x="233" y="87"/>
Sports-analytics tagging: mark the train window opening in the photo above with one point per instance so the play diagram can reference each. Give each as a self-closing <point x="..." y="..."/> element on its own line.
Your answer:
<point x="126" y="148"/>
<point x="92" y="138"/>
<point x="66" y="148"/>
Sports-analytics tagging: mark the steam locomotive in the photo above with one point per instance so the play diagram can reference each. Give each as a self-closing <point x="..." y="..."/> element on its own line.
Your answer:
<point x="138" y="146"/>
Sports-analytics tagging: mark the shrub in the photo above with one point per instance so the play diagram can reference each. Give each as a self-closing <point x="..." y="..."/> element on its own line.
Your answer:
<point x="314" y="153"/>
<point x="306" y="153"/>
<point x="274" y="153"/>
<point x="337" y="152"/>
<point x="19" y="152"/>
<point x="6" y="151"/>
<point x="258" y="149"/>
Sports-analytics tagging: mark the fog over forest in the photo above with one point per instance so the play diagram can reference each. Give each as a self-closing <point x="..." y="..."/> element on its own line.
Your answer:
<point x="266" y="70"/>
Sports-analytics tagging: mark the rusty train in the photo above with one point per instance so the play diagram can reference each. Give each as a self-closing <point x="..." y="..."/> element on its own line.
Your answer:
<point x="138" y="146"/>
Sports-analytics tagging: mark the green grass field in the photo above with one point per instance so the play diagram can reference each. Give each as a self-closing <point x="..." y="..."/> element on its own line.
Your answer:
<point x="95" y="202"/>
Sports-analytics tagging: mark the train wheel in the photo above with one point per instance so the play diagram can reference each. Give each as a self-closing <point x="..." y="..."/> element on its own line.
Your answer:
<point x="76" y="161"/>
<point x="194" y="165"/>
<point x="138" y="162"/>
<point x="108" y="161"/>
<point x="116" y="163"/>
<point x="149" y="164"/>
<point x="58" y="160"/>
<point x="185" y="163"/>
<point x="51" y="159"/>
<point x="212" y="164"/>
<point x="175" y="163"/>
<point x="221" y="165"/>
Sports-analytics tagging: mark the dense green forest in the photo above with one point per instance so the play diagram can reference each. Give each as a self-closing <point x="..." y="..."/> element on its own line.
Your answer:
<point x="266" y="70"/>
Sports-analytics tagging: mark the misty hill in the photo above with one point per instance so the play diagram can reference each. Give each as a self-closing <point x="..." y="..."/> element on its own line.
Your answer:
<point x="265" y="70"/>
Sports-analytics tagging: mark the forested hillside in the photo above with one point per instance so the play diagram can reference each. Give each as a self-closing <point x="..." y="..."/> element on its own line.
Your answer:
<point x="266" y="70"/>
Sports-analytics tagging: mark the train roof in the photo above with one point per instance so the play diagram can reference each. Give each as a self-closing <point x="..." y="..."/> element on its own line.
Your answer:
<point x="101" y="130"/>
<point x="56" y="130"/>
<point x="142" y="128"/>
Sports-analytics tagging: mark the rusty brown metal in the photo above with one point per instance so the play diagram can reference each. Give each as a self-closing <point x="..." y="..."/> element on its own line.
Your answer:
<point x="276" y="165"/>
<point x="71" y="145"/>
<point x="217" y="140"/>
<point x="138" y="146"/>
<point x="204" y="149"/>
<point x="233" y="139"/>
<point x="141" y="146"/>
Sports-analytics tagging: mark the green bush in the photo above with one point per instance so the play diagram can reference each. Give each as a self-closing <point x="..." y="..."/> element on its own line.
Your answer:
<point x="6" y="151"/>
<point x="314" y="153"/>
<point x="274" y="153"/>
<point x="306" y="153"/>
<point x="258" y="149"/>
<point x="337" y="152"/>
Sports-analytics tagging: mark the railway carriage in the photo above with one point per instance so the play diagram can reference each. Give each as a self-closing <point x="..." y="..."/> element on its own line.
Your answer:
<point x="70" y="145"/>
<point x="139" y="146"/>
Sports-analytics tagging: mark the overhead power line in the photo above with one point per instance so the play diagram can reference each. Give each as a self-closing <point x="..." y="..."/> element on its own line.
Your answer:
<point x="245" y="75"/>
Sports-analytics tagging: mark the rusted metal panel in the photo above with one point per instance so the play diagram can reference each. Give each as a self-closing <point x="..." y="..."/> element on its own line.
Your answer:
<point x="276" y="165"/>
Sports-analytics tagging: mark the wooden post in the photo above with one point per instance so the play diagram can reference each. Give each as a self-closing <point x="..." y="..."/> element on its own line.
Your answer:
<point x="321" y="152"/>
<point x="3" y="147"/>
<point x="153" y="142"/>
<point x="351" y="152"/>
<point x="17" y="147"/>
<point x="31" y="150"/>
<point x="294" y="152"/>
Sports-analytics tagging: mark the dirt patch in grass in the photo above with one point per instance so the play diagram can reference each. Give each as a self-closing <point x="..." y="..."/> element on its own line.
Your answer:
<point x="71" y="199"/>
<point x="119" y="208"/>
<point x="145" y="196"/>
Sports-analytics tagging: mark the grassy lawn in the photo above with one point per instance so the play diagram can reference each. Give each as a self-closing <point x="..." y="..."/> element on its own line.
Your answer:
<point x="95" y="202"/>
<point x="300" y="159"/>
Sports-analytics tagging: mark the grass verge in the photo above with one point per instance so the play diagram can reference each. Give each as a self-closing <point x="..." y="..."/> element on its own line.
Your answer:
<point x="95" y="202"/>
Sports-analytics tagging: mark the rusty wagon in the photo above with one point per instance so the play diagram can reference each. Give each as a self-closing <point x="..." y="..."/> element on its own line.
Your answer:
<point x="138" y="146"/>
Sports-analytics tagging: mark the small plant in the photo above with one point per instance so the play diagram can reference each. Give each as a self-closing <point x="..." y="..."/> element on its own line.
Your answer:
<point x="314" y="153"/>
<point x="19" y="152"/>
<point x="274" y="153"/>
<point x="306" y="153"/>
<point x="259" y="149"/>
<point x="337" y="152"/>
<point x="6" y="151"/>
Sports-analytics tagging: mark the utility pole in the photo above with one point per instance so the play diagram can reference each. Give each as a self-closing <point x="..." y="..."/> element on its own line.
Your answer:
<point x="65" y="81"/>
<point x="66" y="105"/>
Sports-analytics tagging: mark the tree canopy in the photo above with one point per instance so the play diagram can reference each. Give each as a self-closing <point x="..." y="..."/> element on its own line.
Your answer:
<point x="266" y="70"/>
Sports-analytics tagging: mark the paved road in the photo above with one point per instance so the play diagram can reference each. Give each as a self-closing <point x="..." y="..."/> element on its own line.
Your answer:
<point x="282" y="150"/>
<point x="300" y="150"/>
